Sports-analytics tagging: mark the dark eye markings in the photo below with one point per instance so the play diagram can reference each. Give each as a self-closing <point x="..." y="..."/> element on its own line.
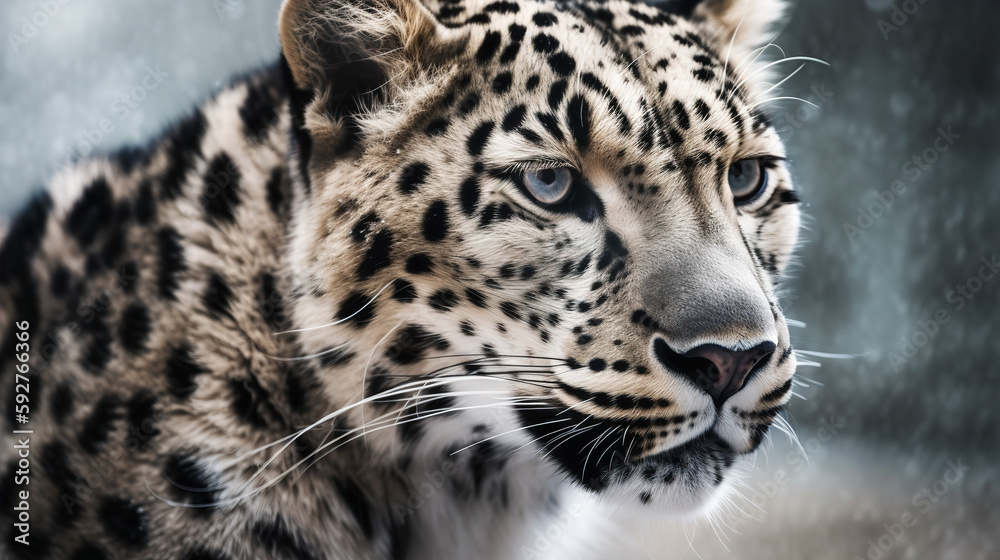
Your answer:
<point x="580" y="199"/>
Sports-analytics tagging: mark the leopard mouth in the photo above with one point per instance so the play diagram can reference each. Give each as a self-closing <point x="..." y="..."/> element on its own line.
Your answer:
<point x="597" y="453"/>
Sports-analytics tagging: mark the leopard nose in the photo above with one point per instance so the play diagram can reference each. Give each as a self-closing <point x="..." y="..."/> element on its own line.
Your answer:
<point x="717" y="370"/>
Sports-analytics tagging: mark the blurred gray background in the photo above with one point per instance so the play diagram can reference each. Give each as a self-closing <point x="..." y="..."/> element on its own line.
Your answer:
<point x="901" y="439"/>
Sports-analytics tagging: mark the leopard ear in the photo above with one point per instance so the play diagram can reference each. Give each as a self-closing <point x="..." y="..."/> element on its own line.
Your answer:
<point x="347" y="58"/>
<point x="744" y="24"/>
<point x="327" y="40"/>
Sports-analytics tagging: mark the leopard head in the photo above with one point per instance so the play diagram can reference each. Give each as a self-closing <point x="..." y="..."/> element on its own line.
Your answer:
<point x="562" y="220"/>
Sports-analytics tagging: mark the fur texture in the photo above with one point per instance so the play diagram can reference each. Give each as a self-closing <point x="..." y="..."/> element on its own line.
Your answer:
<point x="322" y="317"/>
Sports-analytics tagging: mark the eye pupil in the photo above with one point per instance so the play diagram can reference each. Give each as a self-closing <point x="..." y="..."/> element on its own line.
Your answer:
<point x="547" y="176"/>
<point x="747" y="180"/>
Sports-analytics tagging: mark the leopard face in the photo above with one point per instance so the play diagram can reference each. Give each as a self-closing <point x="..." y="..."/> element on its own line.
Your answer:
<point x="565" y="219"/>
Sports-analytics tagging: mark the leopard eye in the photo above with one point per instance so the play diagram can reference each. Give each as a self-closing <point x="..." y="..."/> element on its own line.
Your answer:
<point x="549" y="186"/>
<point x="747" y="180"/>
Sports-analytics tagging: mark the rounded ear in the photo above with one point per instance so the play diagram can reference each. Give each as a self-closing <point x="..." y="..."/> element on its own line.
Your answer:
<point x="348" y="58"/>
<point x="744" y="24"/>
<point x="331" y="41"/>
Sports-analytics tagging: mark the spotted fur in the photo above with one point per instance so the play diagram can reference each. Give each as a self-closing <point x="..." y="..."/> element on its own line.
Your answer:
<point x="320" y="317"/>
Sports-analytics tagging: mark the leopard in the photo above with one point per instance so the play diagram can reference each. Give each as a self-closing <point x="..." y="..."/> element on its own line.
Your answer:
<point x="443" y="276"/>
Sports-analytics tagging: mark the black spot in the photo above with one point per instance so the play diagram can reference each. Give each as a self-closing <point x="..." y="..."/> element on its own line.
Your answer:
<point x="250" y="402"/>
<point x="469" y="196"/>
<point x="364" y="226"/>
<point x="443" y="300"/>
<point x="218" y="296"/>
<point x="98" y="426"/>
<point x="435" y="226"/>
<point x="578" y="117"/>
<point x="275" y="191"/>
<point x="191" y="483"/>
<point x="789" y="197"/>
<point x="357" y="308"/>
<point x="488" y="215"/>
<point x="181" y="371"/>
<point x="631" y="30"/>
<point x="88" y="551"/>
<point x="475" y="297"/>
<point x="124" y="521"/>
<point x="468" y="104"/>
<point x="502" y="7"/>
<point x="597" y="364"/>
<point x="134" y="328"/>
<point x="145" y="203"/>
<point x="412" y="344"/>
<point x="532" y="82"/>
<point x="141" y="410"/>
<point x="419" y="264"/>
<point x="613" y="249"/>
<point x="489" y="46"/>
<point x="436" y="127"/>
<point x="98" y="353"/>
<point x="59" y="281"/>
<point x="551" y="124"/>
<point x="183" y="149"/>
<point x="412" y="176"/>
<point x="278" y="539"/>
<point x="514" y="118"/>
<point x="556" y="94"/>
<point x="511" y="309"/>
<point x="545" y="19"/>
<point x="717" y="137"/>
<point x="545" y="43"/>
<point x="221" y="194"/>
<point x="403" y="291"/>
<point x="701" y="109"/>
<point x="594" y="83"/>
<point x="477" y="140"/>
<point x="502" y="82"/>
<point x="378" y="256"/>
<point x="620" y="365"/>
<point x="270" y="303"/>
<point x="681" y="115"/>
<point x="703" y="74"/>
<point x="172" y="262"/>
<point x="130" y="157"/>
<point x="528" y="272"/>
<point x="562" y="64"/>
<point x="92" y="212"/>
<point x="258" y="112"/>
<point x="62" y="402"/>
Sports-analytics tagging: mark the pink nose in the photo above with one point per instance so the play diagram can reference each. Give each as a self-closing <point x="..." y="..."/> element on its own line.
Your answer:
<point x="719" y="371"/>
